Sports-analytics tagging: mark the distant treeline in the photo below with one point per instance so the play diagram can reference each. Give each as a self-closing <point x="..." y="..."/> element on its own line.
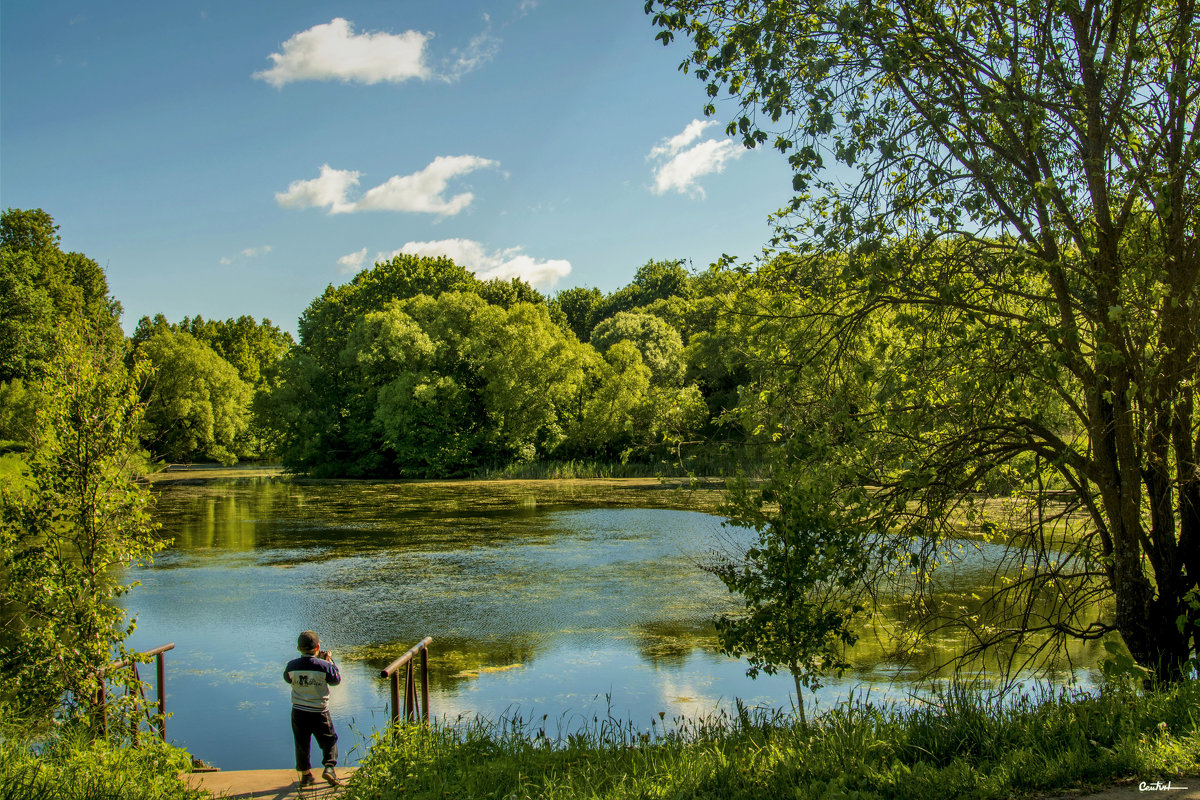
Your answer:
<point x="415" y="368"/>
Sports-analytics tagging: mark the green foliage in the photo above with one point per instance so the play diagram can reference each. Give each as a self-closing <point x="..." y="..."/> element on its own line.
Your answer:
<point x="1014" y="299"/>
<point x="801" y="585"/>
<point x="197" y="406"/>
<point x="254" y="349"/>
<point x="961" y="745"/>
<point x="70" y="765"/>
<point x="66" y="528"/>
<point x="417" y="369"/>
<point x="43" y="292"/>
<point x="658" y="343"/>
<point x="578" y="307"/>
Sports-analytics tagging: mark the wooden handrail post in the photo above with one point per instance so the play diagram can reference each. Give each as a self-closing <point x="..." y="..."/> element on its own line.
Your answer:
<point x="161" y="668"/>
<point x="425" y="682"/>
<point x="392" y="671"/>
<point x="395" y="697"/>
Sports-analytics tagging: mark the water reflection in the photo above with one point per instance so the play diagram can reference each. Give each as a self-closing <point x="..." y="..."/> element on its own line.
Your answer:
<point x="568" y="599"/>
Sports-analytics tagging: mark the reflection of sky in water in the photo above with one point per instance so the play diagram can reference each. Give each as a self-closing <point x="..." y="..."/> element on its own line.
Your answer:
<point x="535" y="608"/>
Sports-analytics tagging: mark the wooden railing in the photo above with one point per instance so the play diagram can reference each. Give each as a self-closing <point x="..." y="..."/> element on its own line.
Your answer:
<point x="160" y="668"/>
<point x="410" y="689"/>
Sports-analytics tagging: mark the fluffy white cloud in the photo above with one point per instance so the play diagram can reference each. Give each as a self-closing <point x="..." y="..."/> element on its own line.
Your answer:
<point x="333" y="51"/>
<point x="681" y="163"/>
<point x="353" y="262"/>
<point x="327" y="190"/>
<point x="503" y="264"/>
<point x="420" y="192"/>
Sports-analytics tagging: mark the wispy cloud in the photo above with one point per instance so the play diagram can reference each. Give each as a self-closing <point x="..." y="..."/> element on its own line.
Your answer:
<point x="682" y="161"/>
<point x="420" y="192"/>
<point x="480" y="50"/>
<point x="249" y="252"/>
<point x="487" y="264"/>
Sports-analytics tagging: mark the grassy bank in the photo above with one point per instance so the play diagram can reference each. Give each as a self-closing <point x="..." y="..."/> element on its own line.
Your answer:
<point x="68" y="765"/>
<point x="961" y="747"/>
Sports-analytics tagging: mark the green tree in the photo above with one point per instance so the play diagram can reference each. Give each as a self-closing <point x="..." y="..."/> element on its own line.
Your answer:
<point x="68" y="528"/>
<point x="578" y="306"/>
<point x="44" y="291"/>
<point x="659" y="344"/>
<point x="654" y="280"/>
<point x="197" y="405"/>
<point x="999" y="203"/>
<point x="605" y="418"/>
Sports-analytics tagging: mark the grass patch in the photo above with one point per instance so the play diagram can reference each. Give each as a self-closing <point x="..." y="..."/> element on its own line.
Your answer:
<point x="68" y="765"/>
<point x="962" y="746"/>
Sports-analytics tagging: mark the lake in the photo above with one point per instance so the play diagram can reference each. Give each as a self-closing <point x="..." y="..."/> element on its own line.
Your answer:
<point x="575" y="600"/>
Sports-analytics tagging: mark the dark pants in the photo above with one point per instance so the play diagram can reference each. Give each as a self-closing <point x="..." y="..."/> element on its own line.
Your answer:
<point x="318" y="724"/>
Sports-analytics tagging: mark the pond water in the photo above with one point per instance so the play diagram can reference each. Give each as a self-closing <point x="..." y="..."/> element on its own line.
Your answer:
<point x="572" y="600"/>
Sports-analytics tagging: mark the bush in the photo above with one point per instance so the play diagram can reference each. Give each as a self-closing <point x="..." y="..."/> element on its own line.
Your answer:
<point x="68" y="765"/>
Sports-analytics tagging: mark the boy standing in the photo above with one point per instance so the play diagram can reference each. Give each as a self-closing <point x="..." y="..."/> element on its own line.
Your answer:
<point x="311" y="675"/>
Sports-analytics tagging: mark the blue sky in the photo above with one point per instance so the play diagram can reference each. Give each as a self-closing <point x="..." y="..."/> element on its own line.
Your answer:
<point x="229" y="158"/>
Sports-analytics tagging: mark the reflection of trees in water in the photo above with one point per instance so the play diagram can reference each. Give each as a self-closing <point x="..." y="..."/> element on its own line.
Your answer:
<point x="454" y="661"/>
<point x="224" y="516"/>
<point x="428" y="537"/>
<point x="668" y="644"/>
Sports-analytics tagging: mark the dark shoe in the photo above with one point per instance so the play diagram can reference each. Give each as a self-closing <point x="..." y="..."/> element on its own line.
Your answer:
<point x="331" y="776"/>
<point x="307" y="779"/>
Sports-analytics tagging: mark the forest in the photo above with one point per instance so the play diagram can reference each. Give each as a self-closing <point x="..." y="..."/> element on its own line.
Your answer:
<point x="415" y="368"/>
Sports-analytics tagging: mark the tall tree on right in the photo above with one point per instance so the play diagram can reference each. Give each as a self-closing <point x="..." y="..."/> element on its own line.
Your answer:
<point x="994" y="231"/>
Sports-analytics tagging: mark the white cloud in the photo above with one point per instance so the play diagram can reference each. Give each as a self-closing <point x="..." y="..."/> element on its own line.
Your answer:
<point x="353" y="262"/>
<point x="681" y="164"/>
<point x="249" y="252"/>
<point x="333" y="51"/>
<point x="420" y="192"/>
<point x="672" y="145"/>
<point x="480" y="50"/>
<point x="503" y="264"/>
<point x="327" y="190"/>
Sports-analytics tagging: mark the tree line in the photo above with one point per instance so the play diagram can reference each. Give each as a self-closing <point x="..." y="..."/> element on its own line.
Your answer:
<point x="415" y="368"/>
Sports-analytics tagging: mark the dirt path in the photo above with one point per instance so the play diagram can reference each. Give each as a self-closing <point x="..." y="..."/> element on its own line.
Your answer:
<point x="267" y="784"/>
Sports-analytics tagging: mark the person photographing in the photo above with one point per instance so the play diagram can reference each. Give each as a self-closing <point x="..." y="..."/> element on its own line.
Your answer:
<point x="310" y="677"/>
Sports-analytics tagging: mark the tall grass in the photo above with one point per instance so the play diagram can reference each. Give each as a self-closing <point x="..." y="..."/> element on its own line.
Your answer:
<point x="717" y="464"/>
<point x="961" y="745"/>
<point x="68" y="764"/>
